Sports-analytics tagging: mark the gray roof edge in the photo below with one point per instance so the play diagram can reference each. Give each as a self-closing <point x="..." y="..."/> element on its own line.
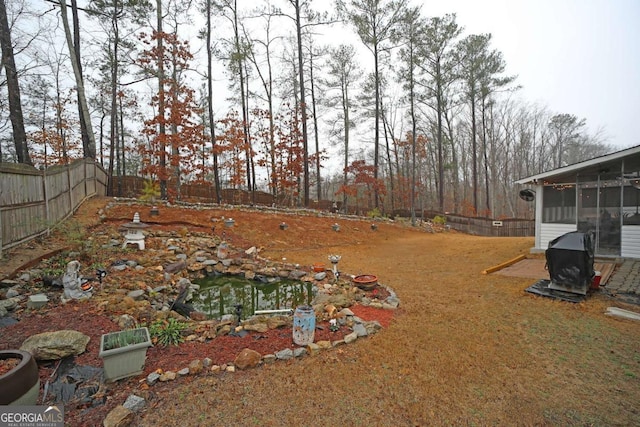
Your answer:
<point x="577" y="166"/>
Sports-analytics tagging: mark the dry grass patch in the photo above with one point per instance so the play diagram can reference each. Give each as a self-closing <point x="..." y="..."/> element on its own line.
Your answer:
<point x="465" y="349"/>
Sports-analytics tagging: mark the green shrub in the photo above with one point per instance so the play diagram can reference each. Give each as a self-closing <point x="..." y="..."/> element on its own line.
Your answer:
<point x="374" y="213"/>
<point x="150" y="191"/>
<point x="167" y="332"/>
<point x="440" y="219"/>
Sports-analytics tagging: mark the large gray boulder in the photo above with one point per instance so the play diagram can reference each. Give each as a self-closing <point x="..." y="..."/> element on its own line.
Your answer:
<point x="55" y="345"/>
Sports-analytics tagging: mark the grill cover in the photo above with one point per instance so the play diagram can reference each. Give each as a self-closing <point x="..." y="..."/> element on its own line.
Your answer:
<point x="570" y="262"/>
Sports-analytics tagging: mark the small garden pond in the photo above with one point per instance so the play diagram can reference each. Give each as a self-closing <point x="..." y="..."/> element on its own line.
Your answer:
<point x="219" y="295"/>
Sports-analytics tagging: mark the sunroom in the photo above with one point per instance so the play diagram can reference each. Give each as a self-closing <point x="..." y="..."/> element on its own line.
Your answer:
<point x="600" y="195"/>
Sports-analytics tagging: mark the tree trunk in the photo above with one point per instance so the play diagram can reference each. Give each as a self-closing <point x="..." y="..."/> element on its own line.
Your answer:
<point x="376" y="133"/>
<point x="216" y="174"/>
<point x="86" y="147"/>
<point x="303" y="108"/>
<point x="113" y="138"/>
<point x="389" y="159"/>
<point x="484" y="156"/>
<point x="84" y="108"/>
<point x="474" y="148"/>
<point x="15" y="106"/>
<point x="315" y="126"/>
<point x="161" y="107"/>
<point x="454" y="159"/>
<point x="439" y="108"/>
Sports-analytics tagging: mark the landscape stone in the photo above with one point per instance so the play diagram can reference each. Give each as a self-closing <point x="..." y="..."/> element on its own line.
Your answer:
<point x="320" y="276"/>
<point x="349" y="338"/>
<point x="136" y="294"/>
<point x="153" y="378"/>
<point x="183" y="372"/>
<point x="126" y="321"/>
<point x="339" y="300"/>
<point x="134" y="403"/>
<point x="324" y="345"/>
<point x="387" y="306"/>
<point x="55" y="345"/>
<point x="8" y="283"/>
<point x="285" y="354"/>
<point x="167" y="376"/>
<point x="297" y="274"/>
<point x="247" y="358"/>
<point x="175" y="267"/>
<point x="346" y="311"/>
<point x="8" y="304"/>
<point x="277" y="322"/>
<point x="360" y="330"/>
<point x="372" y="326"/>
<point x="196" y="366"/>
<point x="119" y="417"/>
<point x="299" y="351"/>
<point x="269" y="358"/>
<point x="313" y="348"/>
<point x="12" y="293"/>
<point x="257" y="327"/>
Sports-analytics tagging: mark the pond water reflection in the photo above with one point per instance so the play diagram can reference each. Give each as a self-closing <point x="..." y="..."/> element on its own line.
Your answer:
<point x="219" y="295"/>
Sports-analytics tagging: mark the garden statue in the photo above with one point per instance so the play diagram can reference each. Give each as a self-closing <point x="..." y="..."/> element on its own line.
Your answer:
<point x="72" y="283"/>
<point x="334" y="260"/>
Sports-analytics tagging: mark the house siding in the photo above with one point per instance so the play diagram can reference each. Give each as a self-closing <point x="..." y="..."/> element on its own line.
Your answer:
<point x="630" y="244"/>
<point x="548" y="232"/>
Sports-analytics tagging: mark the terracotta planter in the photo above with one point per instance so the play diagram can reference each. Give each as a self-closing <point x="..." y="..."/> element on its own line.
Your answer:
<point x="127" y="360"/>
<point x="21" y="385"/>
<point x="366" y="281"/>
<point x="318" y="267"/>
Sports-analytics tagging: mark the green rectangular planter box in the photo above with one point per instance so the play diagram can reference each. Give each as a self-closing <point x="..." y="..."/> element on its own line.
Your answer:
<point x="124" y="361"/>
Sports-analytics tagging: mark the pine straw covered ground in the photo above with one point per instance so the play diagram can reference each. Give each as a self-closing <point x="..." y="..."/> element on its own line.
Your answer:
<point x="465" y="348"/>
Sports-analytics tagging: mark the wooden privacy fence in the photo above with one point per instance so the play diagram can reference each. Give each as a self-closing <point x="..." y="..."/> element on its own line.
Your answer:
<point x="132" y="186"/>
<point x="32" y="201"/>
<point x="487" y="226"/>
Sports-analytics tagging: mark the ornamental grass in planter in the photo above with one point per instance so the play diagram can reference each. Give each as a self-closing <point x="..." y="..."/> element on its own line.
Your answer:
<point x="123" y="353"/>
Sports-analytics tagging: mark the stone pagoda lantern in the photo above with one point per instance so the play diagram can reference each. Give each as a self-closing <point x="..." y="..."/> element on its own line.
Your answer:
<point x="134" y="233"/>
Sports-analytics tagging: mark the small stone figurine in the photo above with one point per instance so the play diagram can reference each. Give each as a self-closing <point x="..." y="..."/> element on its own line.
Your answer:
<point x="72" y="283"/>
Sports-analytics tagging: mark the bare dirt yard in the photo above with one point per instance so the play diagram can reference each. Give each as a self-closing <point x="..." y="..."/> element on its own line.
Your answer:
<point x="463" y="349"/>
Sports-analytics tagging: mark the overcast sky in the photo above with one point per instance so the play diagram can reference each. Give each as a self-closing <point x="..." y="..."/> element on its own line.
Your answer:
<point x="579" y="57"/>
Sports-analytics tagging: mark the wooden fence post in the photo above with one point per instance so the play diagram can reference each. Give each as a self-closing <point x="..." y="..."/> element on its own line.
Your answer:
<point x="68" y="168"/>
<point x="45" y="196"/>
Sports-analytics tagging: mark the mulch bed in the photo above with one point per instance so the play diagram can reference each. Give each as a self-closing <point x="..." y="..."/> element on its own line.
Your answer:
<point x="86" y="318"/>
<point x="8" y="364"/>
